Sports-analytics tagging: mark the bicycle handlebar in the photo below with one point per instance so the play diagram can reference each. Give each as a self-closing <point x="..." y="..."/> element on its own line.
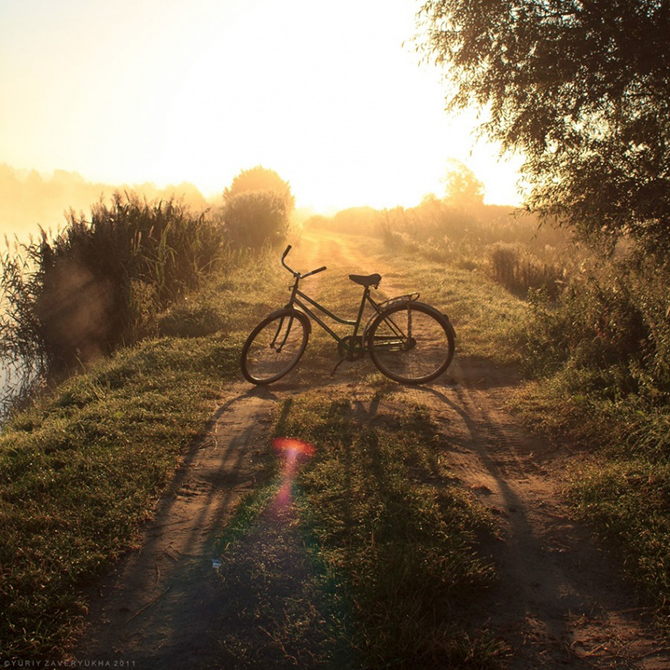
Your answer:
<point x="292" y="271"/>
<point x="313" y="272"/>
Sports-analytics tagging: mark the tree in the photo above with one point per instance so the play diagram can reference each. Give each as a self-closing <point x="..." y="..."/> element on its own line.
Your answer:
<point x="257" y="208"/>
<point x="261" y="179"/>
<point x="582" y="89"/>
<point x="462" y="187"/>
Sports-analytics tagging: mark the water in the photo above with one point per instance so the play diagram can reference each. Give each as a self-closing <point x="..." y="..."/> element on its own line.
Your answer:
<point x="10" y="383"/>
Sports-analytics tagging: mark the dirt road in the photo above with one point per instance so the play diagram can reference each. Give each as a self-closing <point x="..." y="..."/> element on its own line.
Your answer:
<point x="561" y="602"/>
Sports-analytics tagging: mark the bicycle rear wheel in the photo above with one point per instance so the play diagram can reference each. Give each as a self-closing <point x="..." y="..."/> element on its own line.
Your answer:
<point x="274" y="346"/>
<point x="411" y="343"/>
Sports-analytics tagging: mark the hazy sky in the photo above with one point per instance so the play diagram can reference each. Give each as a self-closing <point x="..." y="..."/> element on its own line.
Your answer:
<point x="127" y="91"/>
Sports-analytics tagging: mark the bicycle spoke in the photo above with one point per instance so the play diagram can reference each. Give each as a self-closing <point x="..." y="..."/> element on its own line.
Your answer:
<point x="411" y="344"/>
<point x="274" y="348"/>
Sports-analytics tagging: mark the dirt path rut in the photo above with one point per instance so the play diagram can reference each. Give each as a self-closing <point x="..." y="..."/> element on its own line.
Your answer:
<point x="561" y="602"/>
<point x="156" y="609"/>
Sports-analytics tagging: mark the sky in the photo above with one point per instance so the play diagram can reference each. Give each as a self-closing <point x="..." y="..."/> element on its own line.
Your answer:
<point x="329" y="95"/>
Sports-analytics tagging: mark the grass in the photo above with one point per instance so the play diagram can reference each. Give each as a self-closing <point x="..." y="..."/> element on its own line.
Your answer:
<point x="80" y="472"/>
<point x="371" y="559"/>
<point x="602" y="399"/>
<point x="481" y="311"/>
<point x="84" y="466"/>
<point x="620" y="483"/>
<point x="626" y="500"/>
<point x="374" y="562"/>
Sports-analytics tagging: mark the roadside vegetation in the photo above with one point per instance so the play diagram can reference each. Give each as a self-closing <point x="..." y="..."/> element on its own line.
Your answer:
<point x="123" y="328"/>
<point x="600" y="360"/>
<point x="83" y="466"/>
<point x="104" y="280"/>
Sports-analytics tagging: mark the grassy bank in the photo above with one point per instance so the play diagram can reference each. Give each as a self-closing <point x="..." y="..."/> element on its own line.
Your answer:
<point x="599" y="357"/>
<point x="619" y="483"/>
<point x="363" y="552"/>
<point x="83" y="467"/>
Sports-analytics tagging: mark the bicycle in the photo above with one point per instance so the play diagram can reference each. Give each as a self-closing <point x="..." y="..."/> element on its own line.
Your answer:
<point x="407" y="340"/>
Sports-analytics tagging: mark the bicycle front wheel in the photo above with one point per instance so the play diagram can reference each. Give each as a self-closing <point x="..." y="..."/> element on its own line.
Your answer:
<point x="412" y="343"/>
<point x="274" y="346"/>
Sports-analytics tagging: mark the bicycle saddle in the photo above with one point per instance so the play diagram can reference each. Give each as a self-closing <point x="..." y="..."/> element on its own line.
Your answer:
<point x="366" y="280"/>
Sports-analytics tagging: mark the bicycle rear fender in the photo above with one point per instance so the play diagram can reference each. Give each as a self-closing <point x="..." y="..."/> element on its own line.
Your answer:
<point x="410" y="297"/>
<point x="451" y="328"/>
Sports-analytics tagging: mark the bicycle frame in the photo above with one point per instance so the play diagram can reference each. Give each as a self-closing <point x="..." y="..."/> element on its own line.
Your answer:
<point x="298" y="296"/>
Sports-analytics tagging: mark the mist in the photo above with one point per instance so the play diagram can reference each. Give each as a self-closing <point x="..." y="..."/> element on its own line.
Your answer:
<point x="29" y="199"/>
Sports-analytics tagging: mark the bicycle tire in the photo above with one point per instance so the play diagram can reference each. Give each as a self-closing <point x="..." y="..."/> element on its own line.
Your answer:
<point x="275" y="346"/>
<point x="411" y="342"/>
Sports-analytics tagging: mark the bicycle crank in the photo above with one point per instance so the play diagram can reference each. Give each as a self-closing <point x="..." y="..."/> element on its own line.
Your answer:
<point x="350" y="348"/>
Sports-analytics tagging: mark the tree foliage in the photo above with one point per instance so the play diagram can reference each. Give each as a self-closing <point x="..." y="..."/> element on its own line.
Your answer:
<point x="461" y="186"/>
<point x="261" y="179"/>
<point x="257" y="208"/>
<point x="582" y="89"/>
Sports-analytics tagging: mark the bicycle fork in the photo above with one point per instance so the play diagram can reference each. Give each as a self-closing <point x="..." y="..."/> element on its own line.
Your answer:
<point x="273" y="344"/>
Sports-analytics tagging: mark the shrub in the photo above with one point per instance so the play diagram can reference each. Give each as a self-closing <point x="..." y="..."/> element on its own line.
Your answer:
<point x="518" y="270"/>
<point x="612" y="320"/>
<point x="261" y="179"/>
<point x="255" y="218"/>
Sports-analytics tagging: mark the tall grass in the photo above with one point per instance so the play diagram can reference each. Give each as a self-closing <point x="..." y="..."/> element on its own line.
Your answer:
<point x="519" y="270"/>
<point x="101" y="281"/>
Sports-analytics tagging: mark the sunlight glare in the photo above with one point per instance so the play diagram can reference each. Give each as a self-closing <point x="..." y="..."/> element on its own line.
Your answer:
<point x="326" y="95"/>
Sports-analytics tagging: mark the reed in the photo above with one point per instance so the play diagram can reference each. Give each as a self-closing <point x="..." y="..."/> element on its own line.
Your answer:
<point x="102" y="281"/>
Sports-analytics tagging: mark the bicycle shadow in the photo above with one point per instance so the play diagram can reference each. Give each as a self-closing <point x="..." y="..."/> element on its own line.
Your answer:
<point x="555" y="583"/>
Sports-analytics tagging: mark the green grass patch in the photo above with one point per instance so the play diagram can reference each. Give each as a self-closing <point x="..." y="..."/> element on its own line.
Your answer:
<point x="621" y="485"/>
<point x="383" y="560"/>
<point x="627" y="502"/>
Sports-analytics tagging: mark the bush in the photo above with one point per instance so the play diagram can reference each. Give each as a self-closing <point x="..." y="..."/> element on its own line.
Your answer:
<point x="261" y="179"/>
<point x="518" y="270"/>
<point x="255" y="218"/>
<point x="612" y="320"/>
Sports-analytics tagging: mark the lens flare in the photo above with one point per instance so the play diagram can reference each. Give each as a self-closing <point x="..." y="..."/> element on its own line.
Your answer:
<point x="293" y="452"/>
<point x="293" y="448"/>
